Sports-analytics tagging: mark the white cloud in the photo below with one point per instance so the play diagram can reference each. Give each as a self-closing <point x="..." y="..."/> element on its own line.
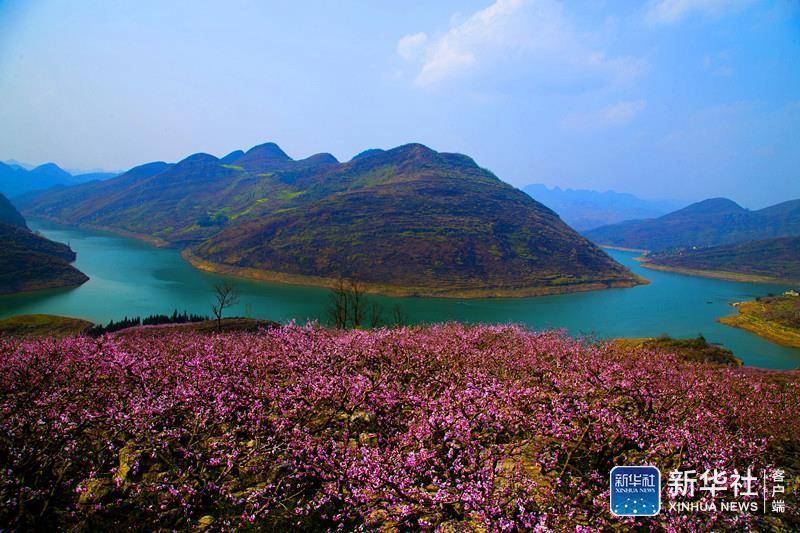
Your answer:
<point x="410" y="45"/>
<point x="667" y="11"/>
<point x="496" y="27"/>
<point x="535" y="33"/>
<point x="717" y="64"/>
<point x="621" y="112"/>
<point x="613" y="115"/>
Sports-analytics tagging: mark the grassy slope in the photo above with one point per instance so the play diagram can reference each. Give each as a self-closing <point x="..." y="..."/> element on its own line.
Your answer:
<point x="692" y="350"/>
<point x="775" y="318"/>
<point x="42" y="326"/>
<point x="409" y="220"/>
<point x="768" y="260"/>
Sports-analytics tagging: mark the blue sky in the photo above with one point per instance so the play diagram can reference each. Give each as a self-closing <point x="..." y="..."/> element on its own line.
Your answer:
<point x="665" y="98"/>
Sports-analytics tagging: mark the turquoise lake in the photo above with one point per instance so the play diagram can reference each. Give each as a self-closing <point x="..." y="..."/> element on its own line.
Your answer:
<point x="129" y="277"/>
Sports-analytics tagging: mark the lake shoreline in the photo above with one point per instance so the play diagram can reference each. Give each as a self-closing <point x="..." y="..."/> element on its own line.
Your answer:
<point x="64" y="282"/>
<point x="748" y="318"/>
<point x="400" y="291"/>
<point x="716" y="274"/>
<point x="153" y="241"/>
<point x="131" y="277"/>
<point x="49" y="325"/>
<point x="623" y="248"/>
<point x="371" y="288"/>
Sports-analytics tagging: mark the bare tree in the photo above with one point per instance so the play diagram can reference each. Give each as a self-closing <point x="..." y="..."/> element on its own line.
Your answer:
<point x="375" y="315"/>
<point x="225" y="296"/>
<point x="349" y="307"/>
<point x="399" y="316"/>
<point x="339" y="305"/>
<point x="358" y="303"/>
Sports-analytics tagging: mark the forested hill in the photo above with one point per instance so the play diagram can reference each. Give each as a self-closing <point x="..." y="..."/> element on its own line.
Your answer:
<point x="29" y="261"/>
<point x="777" y="258"/>
<point x="409" y="220"/>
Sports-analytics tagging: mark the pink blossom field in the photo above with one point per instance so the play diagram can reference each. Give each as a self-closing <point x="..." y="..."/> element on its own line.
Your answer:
<point x="448" y="427"/>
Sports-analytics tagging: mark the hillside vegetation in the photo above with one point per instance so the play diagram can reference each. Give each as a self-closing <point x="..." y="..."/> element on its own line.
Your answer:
<point x="697" y="350"/>
<point x="766" y="260"/>
<point x="713" y="222"/>
<point x="40" y="325"/>
<point x="31" y="262"/>
<point x="405" y="221"/>
<point x="461" y="428"/>
<point x="776" y="318"/>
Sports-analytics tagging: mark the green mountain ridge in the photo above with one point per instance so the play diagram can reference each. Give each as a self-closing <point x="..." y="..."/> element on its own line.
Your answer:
<point x="407" y="219"/>
<point x="712" y="222"/>
<point x="777" y="258"/>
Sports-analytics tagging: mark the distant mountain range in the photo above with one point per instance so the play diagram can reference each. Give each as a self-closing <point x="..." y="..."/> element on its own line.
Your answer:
<point x="404" y="221"/>
<point x="769" y="259"/>
<point x="15" y="163"/>
<point x="586" y="209"/>
<point x="17" y="178"/>
<point x="713" y="222"/>
<point x="30" y="262"/>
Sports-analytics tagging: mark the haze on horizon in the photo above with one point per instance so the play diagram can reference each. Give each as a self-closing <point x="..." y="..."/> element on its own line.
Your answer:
<point x="683" y="99"/>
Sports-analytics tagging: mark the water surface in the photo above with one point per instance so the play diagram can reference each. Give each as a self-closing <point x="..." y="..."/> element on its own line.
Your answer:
<point x="129" y="277"/>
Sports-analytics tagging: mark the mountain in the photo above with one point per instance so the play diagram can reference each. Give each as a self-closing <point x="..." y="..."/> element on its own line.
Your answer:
<point x="20" y="164"/>
<point x="233" y="156"/>
<point x="408" y="220"/>
<point x="367" y="153"/>
<point x="9" y="214"/>
<point x="93" y="176"/>
<point x="711" y="222"/>
<point x="51" y="172"/>
<point x="586" y="209"/>
<point x="17" y="179"/>
<point x="29" y="261"/>
<point x="773" y="259"/>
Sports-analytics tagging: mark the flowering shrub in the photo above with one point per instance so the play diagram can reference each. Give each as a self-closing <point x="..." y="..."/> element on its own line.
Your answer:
<point x="452" y="427"/>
